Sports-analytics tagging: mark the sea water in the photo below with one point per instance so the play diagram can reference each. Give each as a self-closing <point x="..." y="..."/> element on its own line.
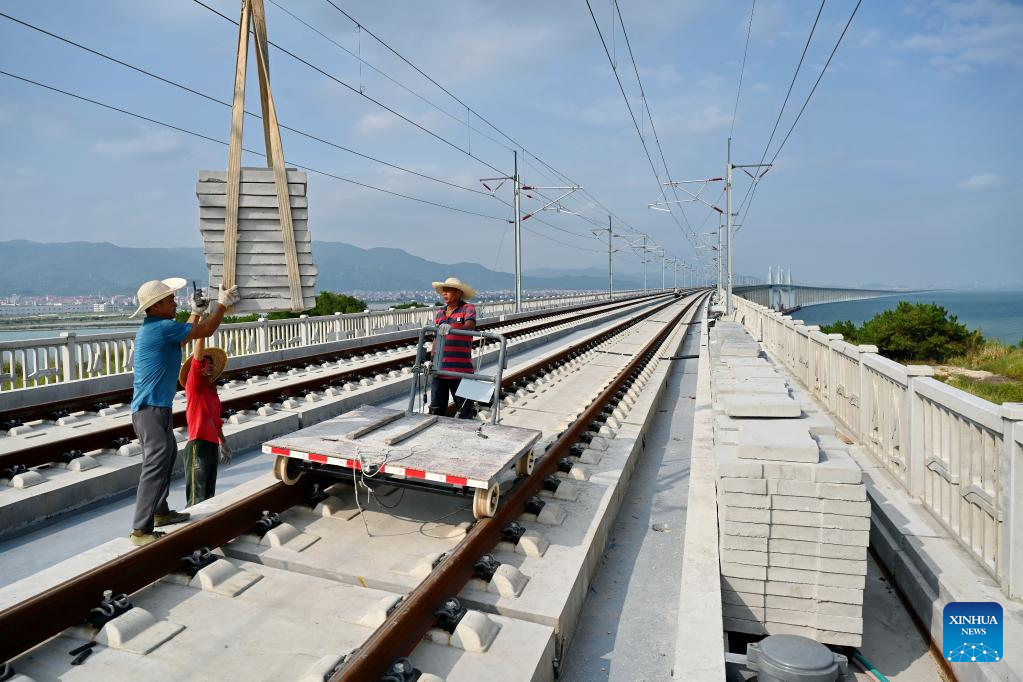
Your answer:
<point x="997" y="314"/>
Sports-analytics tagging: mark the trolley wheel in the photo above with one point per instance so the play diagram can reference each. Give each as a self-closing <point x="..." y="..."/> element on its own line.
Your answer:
<point x="484" y="502"/>
<point x="286" y="471"/>
<point x="524" y="466"/>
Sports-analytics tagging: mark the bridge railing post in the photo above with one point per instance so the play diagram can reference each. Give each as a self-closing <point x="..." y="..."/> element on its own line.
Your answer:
<point x="69" y="356"/>
<point x="800" y="351"/>
<point x="811" y="361"/>
<point x="861" y="393"/>
<point x="785" y="333"/>
<point x="263" y="335"/>
<point x="916" y="461"/>
<point x="1011" y="540"/>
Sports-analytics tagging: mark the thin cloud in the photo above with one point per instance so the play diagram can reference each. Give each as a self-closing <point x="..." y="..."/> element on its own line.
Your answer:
<point x="982" y="181"/>
<point x="698" y="120"/>
<point x="145" y="144"/>
<point x="964" y="36"/>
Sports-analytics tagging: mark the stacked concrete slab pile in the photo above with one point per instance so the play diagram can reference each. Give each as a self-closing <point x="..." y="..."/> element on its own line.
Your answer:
<point x="794" y="518"/>
<point x="261" y="272"/>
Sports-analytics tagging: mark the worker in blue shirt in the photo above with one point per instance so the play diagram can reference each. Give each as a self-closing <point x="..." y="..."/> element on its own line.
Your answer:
<point x="157" y="361"/>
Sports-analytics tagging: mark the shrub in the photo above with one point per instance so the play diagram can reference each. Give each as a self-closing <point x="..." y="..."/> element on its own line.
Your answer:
<point x="849" y="331"/>
<point x="912" y="331"/>
<point x="327" y="303"/>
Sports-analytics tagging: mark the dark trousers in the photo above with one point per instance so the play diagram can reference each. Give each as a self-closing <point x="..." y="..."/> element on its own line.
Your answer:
<point x="441" y="390"/>
<point x="201" y="459"/>
<point x="154" y="428"/>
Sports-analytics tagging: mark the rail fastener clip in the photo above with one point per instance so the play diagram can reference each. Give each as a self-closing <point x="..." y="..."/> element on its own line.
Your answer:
<point x="449" y="614"/>
<point x="111" y="607"/>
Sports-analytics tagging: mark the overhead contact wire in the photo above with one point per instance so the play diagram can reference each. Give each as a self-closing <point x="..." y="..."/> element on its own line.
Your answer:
<point x="250" y="151"/>
<point x="356" y="90"/>
<point x="526" y="152"/>
<point x="221" y="102"/>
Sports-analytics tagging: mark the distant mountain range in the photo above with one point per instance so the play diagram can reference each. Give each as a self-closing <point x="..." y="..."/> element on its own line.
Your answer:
<point x="78" y="268"/>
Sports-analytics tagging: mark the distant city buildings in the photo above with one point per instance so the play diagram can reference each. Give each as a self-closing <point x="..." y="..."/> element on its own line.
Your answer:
<point x="429" y="296"/>
<point x="16" y="306"/>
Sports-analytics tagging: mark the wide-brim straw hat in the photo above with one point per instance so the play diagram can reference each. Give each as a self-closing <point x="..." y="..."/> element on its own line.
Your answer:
<point x="217" y="355"/>
<point x="155" y="290"/>
<point x="455" y="283"/>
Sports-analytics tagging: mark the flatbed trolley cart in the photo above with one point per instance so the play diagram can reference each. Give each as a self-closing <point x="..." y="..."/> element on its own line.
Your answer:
<point x="409" y="449"/>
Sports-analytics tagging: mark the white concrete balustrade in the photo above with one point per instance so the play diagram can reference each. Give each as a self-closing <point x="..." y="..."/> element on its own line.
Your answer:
<point x="957" y="454"/>
<point x="72" y="357"/>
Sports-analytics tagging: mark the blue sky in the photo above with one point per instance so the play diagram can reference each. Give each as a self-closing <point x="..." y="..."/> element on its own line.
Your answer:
<point x="901" y="170"/>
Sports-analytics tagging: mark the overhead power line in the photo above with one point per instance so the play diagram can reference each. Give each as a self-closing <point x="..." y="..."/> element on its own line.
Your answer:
<point x="792" y="83"/>
<point x="383" y="73"/>
<point x="628" y="106"/>
<point x="307" y="135"/>
<point x="752" y="188"/>
<point x="561" y="177"/>
<point x="362" y="94"/>
<point x="224" y="103"/>
<point x="250" y="151"/>
<point x="742" y="69"/>
<point x="752" y="191"/>
<point x="653" y="129"/>
<point x="817" y="82"/>
<point x="290" y="162"/>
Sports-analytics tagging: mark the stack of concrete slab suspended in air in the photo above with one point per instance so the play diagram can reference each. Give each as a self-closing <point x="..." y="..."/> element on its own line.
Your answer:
<point x="794" y="520"/>
<point x="261" y="271"/>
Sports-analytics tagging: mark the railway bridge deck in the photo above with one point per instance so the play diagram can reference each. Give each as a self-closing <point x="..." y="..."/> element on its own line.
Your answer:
<point x="613" y="559"/>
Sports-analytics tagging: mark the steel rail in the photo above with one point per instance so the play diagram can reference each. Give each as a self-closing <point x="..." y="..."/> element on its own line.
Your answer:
<point x="55" y="451"/>
<point x="406" y="626"/>
<point x="46" y="410"/>
<point x="33" y="621"/>
<point x="46" y="614"/>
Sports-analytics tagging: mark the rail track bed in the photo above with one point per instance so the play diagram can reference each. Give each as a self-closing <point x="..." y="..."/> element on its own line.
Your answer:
<point x="341" y="579"/>
<point x="49" y="468"/>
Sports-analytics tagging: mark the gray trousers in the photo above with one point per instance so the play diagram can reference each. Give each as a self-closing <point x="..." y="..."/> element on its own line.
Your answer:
<point x="159" y="447"/>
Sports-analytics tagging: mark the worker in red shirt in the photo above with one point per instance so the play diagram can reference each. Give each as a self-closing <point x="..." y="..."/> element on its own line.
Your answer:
<point x="206" y="442"/>
<point x="458" y="313"/>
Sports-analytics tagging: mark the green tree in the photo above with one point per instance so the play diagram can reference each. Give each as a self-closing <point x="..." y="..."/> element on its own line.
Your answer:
<point x="182" y="316"/>
<point x="918" y="331"/>
<point x="912" y="331"/>
<point x="327" y="303"/>
<point x="411" y="304"/>
<point x="849" y="331"/>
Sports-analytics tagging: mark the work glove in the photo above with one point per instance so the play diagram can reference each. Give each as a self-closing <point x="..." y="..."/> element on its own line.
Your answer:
<point x="199" y="302"/>
<point x="228" y="297"/>
<point x="225" y="453"/>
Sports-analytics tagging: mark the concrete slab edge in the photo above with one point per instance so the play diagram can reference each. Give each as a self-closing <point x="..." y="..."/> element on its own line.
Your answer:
<point x="638" y="424"/>
<point x="699" y="645"/>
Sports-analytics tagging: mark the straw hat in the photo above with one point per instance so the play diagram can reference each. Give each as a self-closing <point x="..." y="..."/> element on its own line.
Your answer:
<point x="455" y="283"/>
<point x="156" y="290"/>
<point x="218" y="357"/>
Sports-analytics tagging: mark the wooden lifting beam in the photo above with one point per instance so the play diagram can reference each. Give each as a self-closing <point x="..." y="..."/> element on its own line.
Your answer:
<point x="253" y="18"/>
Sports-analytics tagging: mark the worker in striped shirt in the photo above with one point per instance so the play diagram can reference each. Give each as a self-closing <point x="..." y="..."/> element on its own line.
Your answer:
<point x="457" y="313"/>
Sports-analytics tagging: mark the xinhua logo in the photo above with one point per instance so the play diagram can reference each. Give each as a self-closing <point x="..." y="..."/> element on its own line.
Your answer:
<point x="972" y="632"/>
